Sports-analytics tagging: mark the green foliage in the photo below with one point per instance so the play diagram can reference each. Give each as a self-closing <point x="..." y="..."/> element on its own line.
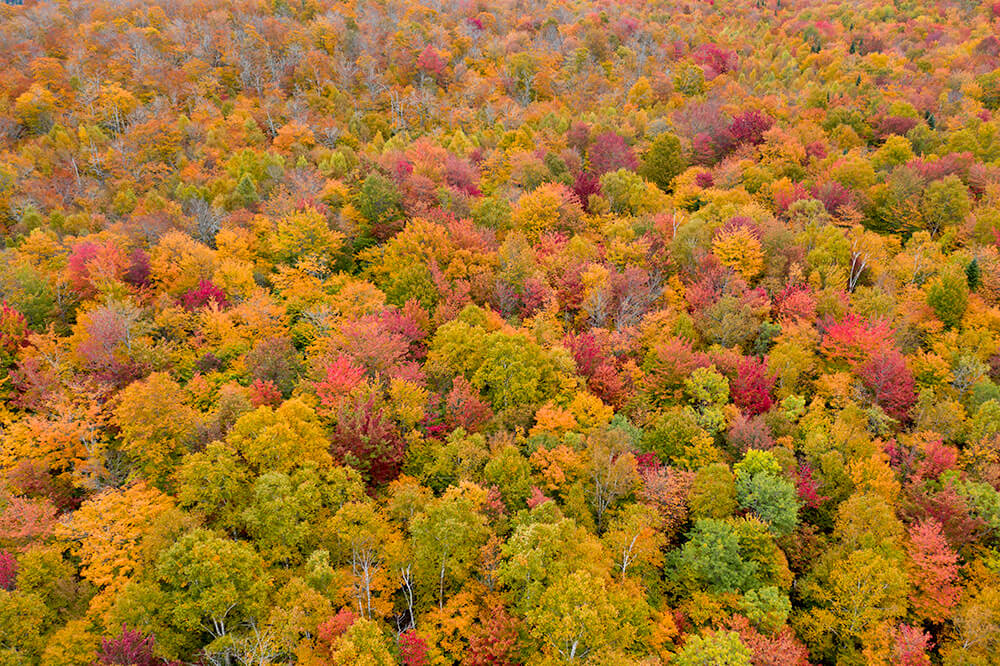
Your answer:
<point x="663" y="161"/>
<point x="948" y="295"/>
<point x="722" y="648"/>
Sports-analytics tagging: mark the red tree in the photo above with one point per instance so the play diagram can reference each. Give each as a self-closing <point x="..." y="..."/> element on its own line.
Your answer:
<point x="609" y="152"/>
<point x="910" y="646"/>
<point x="749" y="127"/>
<point x="366" y="439"/>
<point x="8" y="571"/>
<point x="464" y="408"/>
<point x="131" y="648"/>
<point x="855" y="341"/>
<point x="206" y="292"/>
<point x="935" y="571"/>
<point x="779" y="649"/>
<point x="890" y="383"/>
<point x="751" y="389"/>
<point x="13" y="333"/>
<point x="330" y="630"/>
<point x="495" y="642"/>
<point x="341" y="377"/>
<point x="808" y="488"/>
<point x="264" y="392"/>
<point x="412" y="649"/>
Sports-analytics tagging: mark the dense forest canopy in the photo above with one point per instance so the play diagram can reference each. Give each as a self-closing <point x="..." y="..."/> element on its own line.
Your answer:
<point x="499" y="332"/>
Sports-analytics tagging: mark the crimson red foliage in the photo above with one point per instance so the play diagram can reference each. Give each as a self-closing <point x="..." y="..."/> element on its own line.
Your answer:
<point x="206" y="292"/>
<point x="890" y="382"/>
<point x="130" y="648"/>
<point x="8" y="571"/>
<point x="586" y="183"/>
<point x="808" y="488"/>
<point x="609" y="152"/>
<point x="366" y="438"/>
<point x="715" y="60"/>
<point x="751" y="389"/>
<point x="749" y="127"/>
<point x="264" y="392"/>
<point x="412" y="649"/>
<point x="464" y="408"/>
<point x="332" y="629"/>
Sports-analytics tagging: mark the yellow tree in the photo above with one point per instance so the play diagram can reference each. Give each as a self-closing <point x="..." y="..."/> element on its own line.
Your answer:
<point x="156" y="424"/>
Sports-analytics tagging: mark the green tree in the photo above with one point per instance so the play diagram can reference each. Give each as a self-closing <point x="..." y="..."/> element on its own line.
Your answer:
<point x="579" y="614"/>
<point x="663" y="161"/>
<point x="24" y="619"/>
<point x="945" y="204"/>
<point x="446" y="539"/>
<point x="721" y="648"/>
<point x="212" y="583"/>
<point x="282" y="513"/>
<point x="545" y="548"/>
<point x="515" y="371"/>
<point x="713" y="492"/>
<point x="762" y="490"/>
<point x="712" y="559"/>
<point x="948" y="295"/>
<point x="378" y="200"/>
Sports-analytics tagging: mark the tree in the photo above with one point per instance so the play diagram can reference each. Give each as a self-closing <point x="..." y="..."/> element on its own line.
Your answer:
<point x="281" y="439"/>
<point x="72" y="644"/>
<point x="446" y="539"/>
<point x="711" y="559"/>
<point x="156" y="424"/>
<point x="722" y="648"/>
<point x="412" y="649"/>
<point x="546" y="548"/>
<point x="131" y="646"/>
<point x="934" y="572"/>
<point x="771" y="498"/>
<point x="613" y="473"/>
<point x="737" y="247"/>
<point x="108" y="530"/>
<point x="365" y="539"/>
<point x="25" y="620"/>
<point x="281" y="513"/>
<point x="635" y="539"/>
<point x="750" y="126"/>
<point x="8" y="571"/>
<point x="548" y="208"/>
<point x="713" y="492"/>
<point x="363" y="644"/>
<point x="212" y="583"/>
<point x="515" y="371"/>
<point x="948" y="295"/>
<point x="275" y="360"/>
<point x="579" y="615"/>
<point x="366" y="439"/>
<point x="663" y="161"/>
<point x="378" y="200"/>
<point x="497" y="641"/>
<point x="751" y="389"/>
<point x="865" y="591"/>
<point x="890" y="383"/>
<point x="945" y="204"/>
